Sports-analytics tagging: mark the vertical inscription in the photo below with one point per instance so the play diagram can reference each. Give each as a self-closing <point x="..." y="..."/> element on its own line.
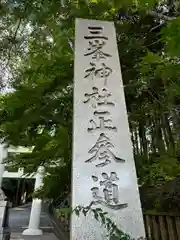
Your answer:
<point x="101" y="152"/>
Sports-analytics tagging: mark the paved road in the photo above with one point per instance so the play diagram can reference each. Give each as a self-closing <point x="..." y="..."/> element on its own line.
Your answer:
<point x="46" y="236"/>
<point x="19" y="220"/>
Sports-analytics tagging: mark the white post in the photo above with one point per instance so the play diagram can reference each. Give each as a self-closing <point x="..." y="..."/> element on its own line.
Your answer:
<point x="34" y="222"/>
<point x="3" y="155"/>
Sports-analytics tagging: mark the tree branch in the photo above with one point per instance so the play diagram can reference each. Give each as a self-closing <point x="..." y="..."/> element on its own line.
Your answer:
<point x="14" y="37"/>
<point x="160" y="15"/>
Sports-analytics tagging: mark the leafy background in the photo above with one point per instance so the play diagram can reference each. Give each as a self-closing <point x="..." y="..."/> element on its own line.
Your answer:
<point x="36" y="104"/>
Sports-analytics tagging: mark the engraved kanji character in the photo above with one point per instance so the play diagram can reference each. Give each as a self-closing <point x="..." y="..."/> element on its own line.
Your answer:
<point x="102" y="72"/>
<point x="98" y="98"/>
<point x="110" y="197"/>
<point x="96" y="33"/>
<point x="102" y="152"/>
<point x="103" y="123"/>
<point x="95" y="49"/>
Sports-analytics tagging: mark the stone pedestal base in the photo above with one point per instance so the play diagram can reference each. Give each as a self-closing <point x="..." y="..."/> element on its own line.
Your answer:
<point x="32" y="232"/>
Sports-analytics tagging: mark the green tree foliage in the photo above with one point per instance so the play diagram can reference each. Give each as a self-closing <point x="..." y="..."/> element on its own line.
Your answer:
<point x="37" y="55"/>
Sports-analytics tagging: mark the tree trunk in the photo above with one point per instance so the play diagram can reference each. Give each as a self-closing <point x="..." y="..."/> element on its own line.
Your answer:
<point x="143" y="139"/>
<point x="176" y="121"/>
<point x="132" y="138"/>
<point x="164" y="132"/>
<point x="153" y="137"/>
<point x="136" y="140"/>
<point x="159" y="139"/>
<point x="168" y="132"/>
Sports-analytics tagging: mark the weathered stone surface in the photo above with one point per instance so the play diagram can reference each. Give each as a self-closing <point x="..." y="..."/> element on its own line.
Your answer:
<point x="103" y="164"/>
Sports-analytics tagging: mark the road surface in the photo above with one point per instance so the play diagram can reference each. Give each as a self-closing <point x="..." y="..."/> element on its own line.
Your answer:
<point x="19" y="220"/>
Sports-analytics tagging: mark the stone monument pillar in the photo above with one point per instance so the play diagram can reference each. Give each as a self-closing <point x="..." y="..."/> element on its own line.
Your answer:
<point x="103" y="166"/>
<point x="34" y="222"/>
